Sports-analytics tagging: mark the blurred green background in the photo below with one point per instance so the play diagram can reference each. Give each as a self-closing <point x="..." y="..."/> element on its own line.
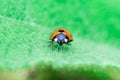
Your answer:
<point x="96" y="19"/>
<point x="25" y="26"/>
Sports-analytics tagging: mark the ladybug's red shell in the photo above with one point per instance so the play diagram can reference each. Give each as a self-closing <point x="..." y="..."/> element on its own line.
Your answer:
<point x="58" y="30"/>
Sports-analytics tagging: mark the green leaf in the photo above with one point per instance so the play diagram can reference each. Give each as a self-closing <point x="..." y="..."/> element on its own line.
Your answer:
<point x="25" y="27"/>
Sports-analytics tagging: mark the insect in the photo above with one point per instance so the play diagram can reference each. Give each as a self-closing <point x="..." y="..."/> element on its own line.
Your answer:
<point x="61" y="36"/>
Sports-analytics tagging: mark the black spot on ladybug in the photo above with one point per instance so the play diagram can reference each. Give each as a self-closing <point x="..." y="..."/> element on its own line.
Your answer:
<point x="61" y="30"/>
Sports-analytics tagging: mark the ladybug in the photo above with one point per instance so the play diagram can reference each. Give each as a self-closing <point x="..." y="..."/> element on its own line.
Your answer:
<point x="61" y="36"/>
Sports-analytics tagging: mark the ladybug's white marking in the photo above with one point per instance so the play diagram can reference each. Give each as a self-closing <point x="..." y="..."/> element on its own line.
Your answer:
<point x="56" y="39"/>
<point x="65" y="40"/>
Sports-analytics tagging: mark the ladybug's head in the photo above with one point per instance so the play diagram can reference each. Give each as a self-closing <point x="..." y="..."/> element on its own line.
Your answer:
<point x="61" y="38"/>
